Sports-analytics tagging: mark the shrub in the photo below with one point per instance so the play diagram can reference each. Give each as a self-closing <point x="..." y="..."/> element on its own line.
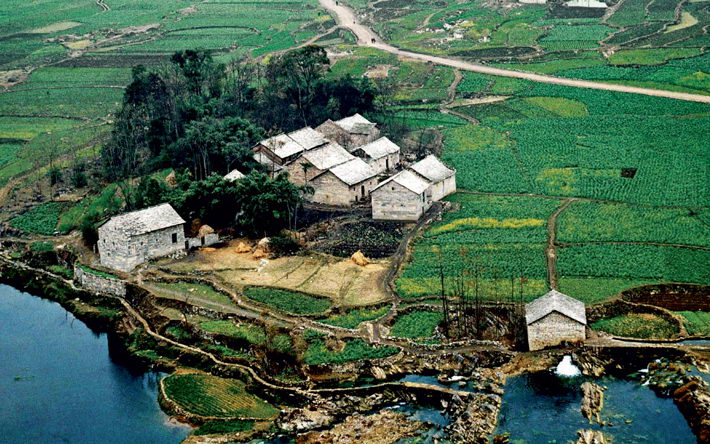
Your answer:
<point x="283" y="245"/>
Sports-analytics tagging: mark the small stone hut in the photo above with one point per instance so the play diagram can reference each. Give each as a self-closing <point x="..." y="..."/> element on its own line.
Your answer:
<point x="130" y="239"/>
<point x="344" y="184"/>
<point x="404" y="197"/>
<point x="441" y="177"/>
<point x="314" y="162"/>
<point x="351" y="132"/>
<point x="554" y="318"/>
<point x="382" y="155"/>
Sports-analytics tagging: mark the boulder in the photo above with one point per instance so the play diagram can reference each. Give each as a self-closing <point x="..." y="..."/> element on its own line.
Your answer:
<point x="588" y="436"/>
<point x="359" y="259"/>
<point x="205" y="230"/>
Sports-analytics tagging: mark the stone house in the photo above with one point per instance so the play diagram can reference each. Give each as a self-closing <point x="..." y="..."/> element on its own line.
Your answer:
<point x="130" y="239"/>
<point x="554" y="318"/>
<point x="279" y="149"/>
<point x="351" y="132"/>
<point x="382" y="155"/>
<point x="308" y="138"/>
<point x="403" y="197"/>
<point x="314" y="162"/>
<point x="441" y="177"/>
<point x="344" y="184"/>
<point x="234" y="175"/>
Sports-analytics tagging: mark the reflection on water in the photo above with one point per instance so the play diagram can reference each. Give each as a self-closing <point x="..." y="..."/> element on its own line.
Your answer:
<point x="61" y="386"/>
<point x="543" y="408"/>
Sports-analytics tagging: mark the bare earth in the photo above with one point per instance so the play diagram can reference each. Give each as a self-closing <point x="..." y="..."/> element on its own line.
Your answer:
<point x="366" y="37"/>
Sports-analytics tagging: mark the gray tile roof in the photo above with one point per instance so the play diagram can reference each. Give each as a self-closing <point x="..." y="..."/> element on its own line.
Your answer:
<point x="234" y="175"/>
<point x="146" y="220"/>
<point x="408" y="180"/>
<point x="433" y="169"/>
<point x="356" y="124"/>
<point x="308" y="138"/>
<point x="555" y="301"/>
<point x="380" y="148"/>
<point x="327" y="156"/>
<point x="282" y="145"/>
<point x="353" y="171"/>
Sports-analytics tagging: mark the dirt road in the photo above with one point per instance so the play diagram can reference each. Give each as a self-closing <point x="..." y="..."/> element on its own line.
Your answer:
<point x="366" y="37"/>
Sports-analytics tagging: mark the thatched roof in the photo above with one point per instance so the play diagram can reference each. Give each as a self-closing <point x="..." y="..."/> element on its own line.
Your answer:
<point x="144" y="221"/>
<point x="554" y="301"/>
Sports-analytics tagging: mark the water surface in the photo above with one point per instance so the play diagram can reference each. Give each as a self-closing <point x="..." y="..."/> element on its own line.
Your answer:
<point x="59" y="384"/>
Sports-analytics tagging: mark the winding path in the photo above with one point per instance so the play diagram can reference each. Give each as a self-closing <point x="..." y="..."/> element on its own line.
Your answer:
<point x="366" y="37"/>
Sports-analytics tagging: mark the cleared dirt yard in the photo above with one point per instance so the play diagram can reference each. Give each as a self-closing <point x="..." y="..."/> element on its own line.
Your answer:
<point x="336" y="278"/>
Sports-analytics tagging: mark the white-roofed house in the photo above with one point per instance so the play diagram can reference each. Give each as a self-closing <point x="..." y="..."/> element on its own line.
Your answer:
<point x="314" y="162"/>
<point x="555" y="318"/>
<point x="441" y="177"/>
<point x="233" y="175"/>
<point x="351" y="132"/>
<point x="382" y="154"/>
<point x="130" y="239"/>
<point x="344" y="184"/>
<point x="308" y="138"/>
<point x="404" y="197"/>
<point x="279" y="150"/>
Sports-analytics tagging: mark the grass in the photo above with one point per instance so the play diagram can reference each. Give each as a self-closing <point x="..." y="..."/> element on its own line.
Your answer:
<point x="354" y="350"/>
<point x="188" y="290"/>
<point x="251" y="333"/>
<point x="107" y="202"/>
<point x="41" y="219"/>
<point x="697" y="323"/>
<point x="96" y="272"/>
<point x="353" y="318"/>
<point x="288" y="301"/>
<point x="416" y="324"/>
<point x="212" y="396"/>
<point x="643" y="326"/>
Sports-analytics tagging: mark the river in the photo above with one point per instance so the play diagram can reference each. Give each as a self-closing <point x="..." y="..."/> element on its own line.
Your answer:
<point x="58" y="383"/>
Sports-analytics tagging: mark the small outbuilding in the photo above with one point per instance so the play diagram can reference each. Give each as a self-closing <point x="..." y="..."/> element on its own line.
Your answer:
<point x="351" y="132"/>
<point x="403" y="197"/>
<point x="382" y="155"/>
<point x="344" y="184"/>
<point x="555" y="318"/>
<point x="127" y="240"/>
<point x="441" y="177"/>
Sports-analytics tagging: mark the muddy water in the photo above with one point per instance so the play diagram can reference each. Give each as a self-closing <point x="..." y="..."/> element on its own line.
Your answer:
<point x="543" y="408"/>
<point x="59" y="384"/>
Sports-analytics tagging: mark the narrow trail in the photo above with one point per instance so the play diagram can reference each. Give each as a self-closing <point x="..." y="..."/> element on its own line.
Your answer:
<point x="551" y="248"/>
<point x="366" y="37"/>
<point x="451" y="96"/>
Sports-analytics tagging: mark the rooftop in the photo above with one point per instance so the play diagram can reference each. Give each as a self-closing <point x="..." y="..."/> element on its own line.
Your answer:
<point x="264" y="160"/>
<point x="327" y="156"/>
<point x="555" y="301"/>
<point x="146" y="220"/>
<point x="308" y="138"/>
<point x="432" y="169"/>
<point x="356" y="124"/>
<point x="353" y="171"/>
<point x="282" y="145"/>
<point x="380" y="148"/>
<point x="234" y="175"/>
<point x="408" y="180"/>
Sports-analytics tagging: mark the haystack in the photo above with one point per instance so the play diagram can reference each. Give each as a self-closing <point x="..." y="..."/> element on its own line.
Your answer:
<point x="359" y="258"/>
<point x="171" y="179"/>
<point x="242" y="247"/>
<point x="205" y="230"/>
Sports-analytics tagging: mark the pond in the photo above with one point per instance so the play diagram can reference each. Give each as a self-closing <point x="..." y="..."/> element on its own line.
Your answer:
<point x="545" y="408"/>
<point x="60" y="385"/>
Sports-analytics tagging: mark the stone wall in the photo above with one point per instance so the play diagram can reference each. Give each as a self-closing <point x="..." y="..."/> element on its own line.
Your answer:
<point x="297" y="175"/>
<point x="99" y="284"/>
<point x="332" y="191"/>
<point x="439" y="190"/>
<point x="124" y="254"/>
<point x="384" y="164"/>
<point x="395" y="202"/>
<point x="554" y="329"/>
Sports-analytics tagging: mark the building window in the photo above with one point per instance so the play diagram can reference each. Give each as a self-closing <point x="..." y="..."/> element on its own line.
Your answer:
<point x="175" y="238"/>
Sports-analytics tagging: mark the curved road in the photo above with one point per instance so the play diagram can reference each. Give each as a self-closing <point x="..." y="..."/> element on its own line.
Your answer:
<point x="366" y="37"/>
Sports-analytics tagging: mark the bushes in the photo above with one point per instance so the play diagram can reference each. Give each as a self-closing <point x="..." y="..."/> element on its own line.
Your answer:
<point x="283" y="245"/>
<point x="289" y="301"/>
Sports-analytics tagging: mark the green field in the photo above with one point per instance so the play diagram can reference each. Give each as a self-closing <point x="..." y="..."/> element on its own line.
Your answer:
<point x="211" y="396"/>
<point x="644" y="326"/>
<point x="697" y="323"/>
<point x="288" y="301"/>
<point x="416" y="324"/>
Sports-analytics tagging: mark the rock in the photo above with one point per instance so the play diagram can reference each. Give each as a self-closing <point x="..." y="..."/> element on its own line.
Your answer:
<point x="359" y="259"/>
<point x="693" y="401"/>
<point x="302" y="420"/>
<point x="593" y="401"/>
<point x="242" y="247"/>
<point x="171" y="179"/>
<point x="385" y="427"/>
<point x="378" y="373"/>
<point x="205" y="230"/>
<point x="588" y="436"/>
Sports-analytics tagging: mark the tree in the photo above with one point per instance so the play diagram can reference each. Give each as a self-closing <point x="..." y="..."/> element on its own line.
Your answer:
<point x="212" y="200"/>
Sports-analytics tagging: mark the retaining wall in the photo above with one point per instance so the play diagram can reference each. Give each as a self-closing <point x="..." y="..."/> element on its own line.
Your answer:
<point x="99" y="284"/>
